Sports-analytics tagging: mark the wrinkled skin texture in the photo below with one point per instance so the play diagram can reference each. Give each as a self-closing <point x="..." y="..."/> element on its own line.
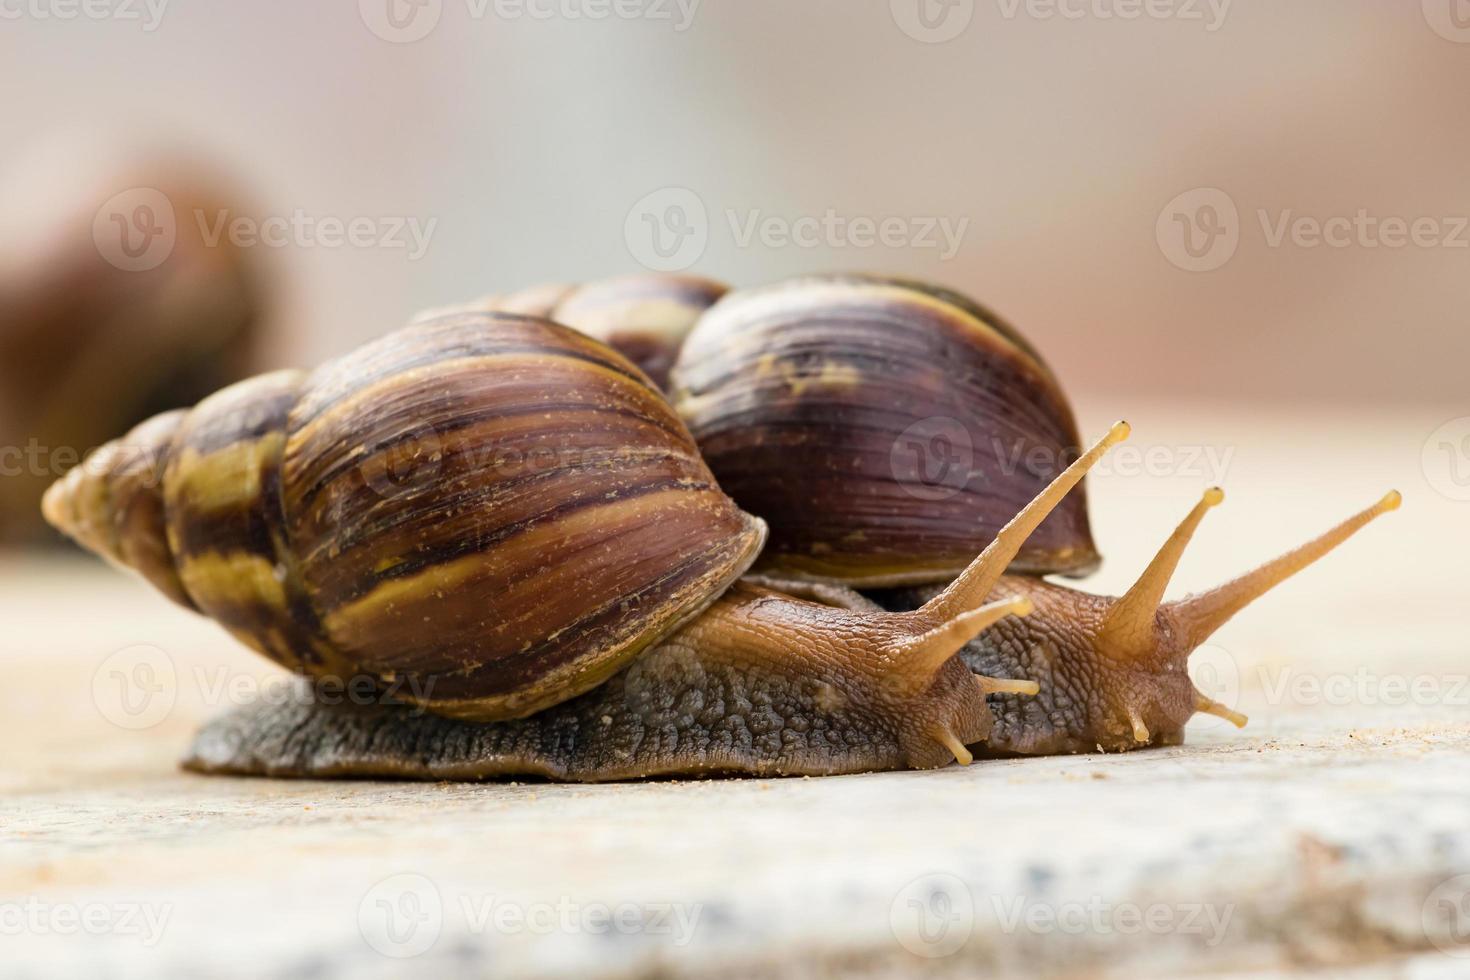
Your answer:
<point x="729" y="693"/>
<point x="1085" y="696"/>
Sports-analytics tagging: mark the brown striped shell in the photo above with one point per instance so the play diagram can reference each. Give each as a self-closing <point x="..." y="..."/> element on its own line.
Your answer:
<point x="644" y="317"/>
<point x="496" y="510"/>
<point x="885" y="429"/>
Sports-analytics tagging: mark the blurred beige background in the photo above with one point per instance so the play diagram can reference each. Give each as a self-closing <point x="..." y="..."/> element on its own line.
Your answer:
<point x="1054" y="134"/>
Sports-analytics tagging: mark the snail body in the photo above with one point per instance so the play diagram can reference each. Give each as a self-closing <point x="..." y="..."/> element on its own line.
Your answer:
<point x="362" y="520"/>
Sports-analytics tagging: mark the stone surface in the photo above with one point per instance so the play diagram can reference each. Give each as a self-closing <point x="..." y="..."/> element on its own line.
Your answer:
<point x="1325" y="839"/>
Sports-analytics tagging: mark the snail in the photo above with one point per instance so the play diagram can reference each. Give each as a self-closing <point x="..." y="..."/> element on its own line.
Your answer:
<point x="501" y="525"/>
<point x="114" y="304"/>
<point x="876" y="385"/>
<point x="868" y="380"/>
<point x="645" y="316"/>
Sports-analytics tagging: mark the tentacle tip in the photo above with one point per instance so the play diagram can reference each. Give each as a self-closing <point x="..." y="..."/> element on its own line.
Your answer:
<point x="1210" y="706"/>
<point x="1005" y="685"/>
<point x="1119" y="431"/>
<point x="1214" y="497"/>
<point x="1141" y="734"/>
<point x="957" y="748"/>
<point x="1391" y="501"/>
<point x="1022" y="606"/>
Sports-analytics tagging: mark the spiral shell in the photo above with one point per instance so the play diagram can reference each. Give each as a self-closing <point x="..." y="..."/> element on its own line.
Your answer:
<point x="495" y="509"/>
<point x="644" y="317"/>
<point x="885" y="429"/>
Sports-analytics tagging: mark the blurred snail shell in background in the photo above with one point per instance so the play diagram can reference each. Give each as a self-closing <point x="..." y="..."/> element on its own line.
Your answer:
<point x="113" y="304"/>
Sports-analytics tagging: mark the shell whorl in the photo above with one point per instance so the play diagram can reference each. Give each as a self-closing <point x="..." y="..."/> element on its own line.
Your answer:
<point x="645" y="317"/>
<point x="494" y="508"/>
<point x="885" y="429"/>
<point x="112" y="504"/>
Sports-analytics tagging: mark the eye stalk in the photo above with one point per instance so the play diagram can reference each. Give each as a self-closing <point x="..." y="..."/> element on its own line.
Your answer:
<point x="1139" y="629"/>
